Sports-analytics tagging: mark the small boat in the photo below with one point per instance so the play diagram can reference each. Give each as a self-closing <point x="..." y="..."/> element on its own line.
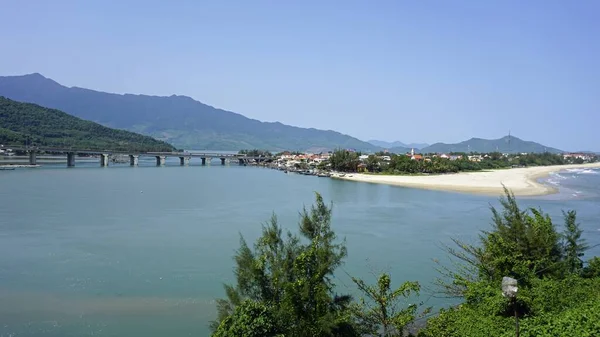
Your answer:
<point x="7" y="168"/>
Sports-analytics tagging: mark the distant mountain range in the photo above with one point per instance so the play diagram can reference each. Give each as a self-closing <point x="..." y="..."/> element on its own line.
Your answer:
<point x="507" y="144"/>
<point x="31" y="124"/>
<point x="390" y="145"/>
<point x="190" y="124"/>
<point x="179" y="120"/>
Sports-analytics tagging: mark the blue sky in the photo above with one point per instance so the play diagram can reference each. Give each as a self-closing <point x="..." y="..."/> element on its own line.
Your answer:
<point x="415" y="71"/>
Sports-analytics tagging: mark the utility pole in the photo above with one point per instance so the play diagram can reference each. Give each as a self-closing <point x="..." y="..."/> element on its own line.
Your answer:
<point x="509" y="289"/>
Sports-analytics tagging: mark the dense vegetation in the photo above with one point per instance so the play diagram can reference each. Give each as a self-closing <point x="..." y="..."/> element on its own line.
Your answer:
<point x="284" y="284"/>
<point x="179" y="120"/>
<point x="284" y="287"/>
<point x="345" y="161"/>
<point x="557" y="294"/>
<point x="256" y="153"/>
<point x="30" y="124"/>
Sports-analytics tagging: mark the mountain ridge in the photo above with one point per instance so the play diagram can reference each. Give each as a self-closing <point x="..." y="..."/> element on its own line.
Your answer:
<point x="188" y="123"/>
<point x="177" y="119"/>
<point x="506" y="144"/>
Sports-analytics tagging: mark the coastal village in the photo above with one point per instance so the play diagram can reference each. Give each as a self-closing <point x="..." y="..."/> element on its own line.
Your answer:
<point x="314" y="163"/>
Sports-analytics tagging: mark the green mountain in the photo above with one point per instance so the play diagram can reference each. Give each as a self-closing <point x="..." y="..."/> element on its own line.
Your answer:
<point x="26" y="123"/>
<point x="507" y="144"/>
<point x="179" y="120"/>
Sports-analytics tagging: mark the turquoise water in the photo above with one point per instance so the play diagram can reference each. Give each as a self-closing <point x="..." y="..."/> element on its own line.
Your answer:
<point x="143" y="251"/>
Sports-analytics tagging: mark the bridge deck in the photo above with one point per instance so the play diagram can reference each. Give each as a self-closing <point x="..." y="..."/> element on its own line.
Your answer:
<point x="137" y="153"/>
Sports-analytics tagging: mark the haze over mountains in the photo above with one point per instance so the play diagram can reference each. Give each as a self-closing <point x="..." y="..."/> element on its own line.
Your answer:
<point x="179" y="120"/>
<point x="507" y="144"/>
<point x="190" y="124"/>
<point x="397" y="144"/>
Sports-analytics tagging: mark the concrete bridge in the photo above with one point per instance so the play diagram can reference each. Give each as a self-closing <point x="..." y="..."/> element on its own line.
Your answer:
<point x="104" y="155"/>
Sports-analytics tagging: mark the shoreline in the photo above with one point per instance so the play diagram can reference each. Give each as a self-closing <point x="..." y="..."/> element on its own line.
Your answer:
<point x="521" y="181"/>
<point x="5" y="166"/>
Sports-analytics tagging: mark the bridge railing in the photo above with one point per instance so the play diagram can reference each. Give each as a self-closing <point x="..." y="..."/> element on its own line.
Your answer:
<point x="124" y="152"/>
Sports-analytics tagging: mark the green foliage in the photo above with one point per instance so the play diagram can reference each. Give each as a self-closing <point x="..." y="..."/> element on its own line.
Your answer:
<point x="291" y="277"/>
<point x="30" y="124"/>
<point x="373" y="163"/>
<point x="593" y="268"/>
<point x="249" y="319"/>
<point x="256" y="153"/>
<point x="522" y="244"/>
<point x="574" y="245"/>
<point x="569" y="307"/>
<point x="344" y="161"/>
<point x="284" y="284"/>
<point x="379" y="314"/>
<point x="553" y="298"/>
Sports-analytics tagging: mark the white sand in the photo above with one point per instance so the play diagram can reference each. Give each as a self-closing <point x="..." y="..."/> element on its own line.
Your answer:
<point x="521" y="181"/>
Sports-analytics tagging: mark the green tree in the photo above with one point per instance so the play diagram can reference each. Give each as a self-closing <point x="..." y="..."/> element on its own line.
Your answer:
<point x="291" y="277"/>
<point x="344" y="161"/>
<point x="256" y="153"/>
<point x="574" y="246"/>
<point x="522" y="244"/>
<point x="373" y="163"/>
<point x="553" y="299"/>
<point x="593" y="268"/>
<point x="379" y="314"/>
<point x="249" y="319"/>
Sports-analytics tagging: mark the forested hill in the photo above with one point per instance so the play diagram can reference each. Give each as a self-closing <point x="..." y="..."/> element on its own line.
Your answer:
<point x="179" y="120"/>
<point x="507" y="144"/>
<point x="22" y="123"/>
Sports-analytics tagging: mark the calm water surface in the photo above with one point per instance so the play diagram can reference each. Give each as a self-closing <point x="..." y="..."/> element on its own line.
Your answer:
<point x="123" y="251"/>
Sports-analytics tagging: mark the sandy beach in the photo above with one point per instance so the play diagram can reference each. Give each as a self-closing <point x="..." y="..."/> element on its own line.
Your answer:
<point x="521" y="181"/>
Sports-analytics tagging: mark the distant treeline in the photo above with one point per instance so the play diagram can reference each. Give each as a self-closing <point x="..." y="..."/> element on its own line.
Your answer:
<point x="33" y="125"/>
<point x="345" y="161"/>
<point x="256" y="153"/>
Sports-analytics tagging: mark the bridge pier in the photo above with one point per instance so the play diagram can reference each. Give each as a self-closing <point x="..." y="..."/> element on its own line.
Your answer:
<point x="70" y="159"/>
<point x="134" y="159"/>
<point x="32" y="158"/>
<point x="184" y="161"/>
<point x="222" y="161"/>
<point x="160" y="160"/>
<point x="104" y="159"/>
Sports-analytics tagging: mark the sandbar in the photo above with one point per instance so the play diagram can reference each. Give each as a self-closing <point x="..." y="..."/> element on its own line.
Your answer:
<point x="521" y="181"/>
